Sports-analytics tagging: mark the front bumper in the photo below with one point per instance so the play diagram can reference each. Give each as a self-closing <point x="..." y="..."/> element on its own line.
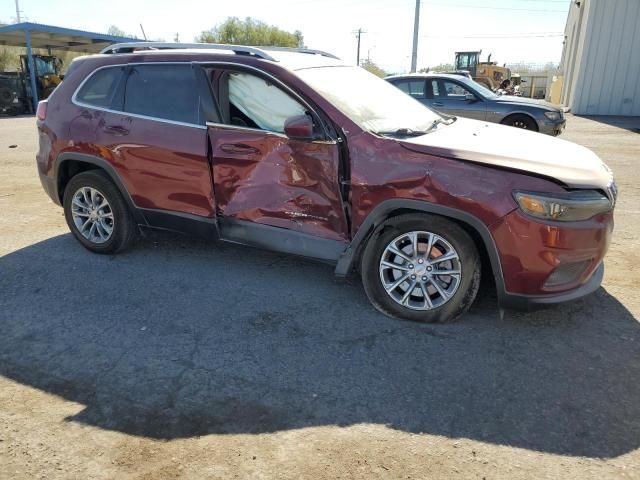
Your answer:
<point x="545" y="263"/>
<point x="532" y="302"/>
<point x="553" y="128"/>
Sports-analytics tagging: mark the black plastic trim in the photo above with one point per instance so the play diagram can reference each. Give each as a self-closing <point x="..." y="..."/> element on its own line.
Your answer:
<point x="380" y="213"/>
<point x="181" y="222"/>
<point x="209" y="109"/>
<point x="505" y="299"/>
<point x="104" y="165"/>
<point x="280" y="239"/>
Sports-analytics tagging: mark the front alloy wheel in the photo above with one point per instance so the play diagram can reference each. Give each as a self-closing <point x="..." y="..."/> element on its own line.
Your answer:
<point x="421" y="267"/>
<point x="420" y="270"/>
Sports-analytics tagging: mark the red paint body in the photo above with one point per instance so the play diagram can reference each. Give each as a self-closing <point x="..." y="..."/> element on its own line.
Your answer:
<point x="270" y="179"/>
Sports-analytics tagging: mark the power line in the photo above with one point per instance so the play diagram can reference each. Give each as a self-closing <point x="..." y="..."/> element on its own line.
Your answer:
<point x="390" y="3"/>
<point x="500" y="36"/>
<point x="368" y="5"/>
<point x="486" y="7"/>
<point x="405" y="6"/>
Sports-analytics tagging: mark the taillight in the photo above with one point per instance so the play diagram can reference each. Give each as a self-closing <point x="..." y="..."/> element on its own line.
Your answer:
<point x="41" y="112"/>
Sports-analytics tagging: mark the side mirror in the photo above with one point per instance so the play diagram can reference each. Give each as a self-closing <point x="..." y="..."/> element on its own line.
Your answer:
<point x="299" y="127"/>
<point x="469" y="97"/>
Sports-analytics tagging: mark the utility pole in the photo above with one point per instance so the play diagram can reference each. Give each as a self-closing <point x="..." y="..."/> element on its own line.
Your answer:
<point x="18" y="11"/>
<point x="416" y="26"/>
<point x="143" y="34"/>
<point x="359" y="33"/>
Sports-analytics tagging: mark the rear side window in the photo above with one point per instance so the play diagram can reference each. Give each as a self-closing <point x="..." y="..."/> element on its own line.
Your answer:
<point x="100" y="88"/>
<point x="415" y="88"/>
<point x="163" y="91"/>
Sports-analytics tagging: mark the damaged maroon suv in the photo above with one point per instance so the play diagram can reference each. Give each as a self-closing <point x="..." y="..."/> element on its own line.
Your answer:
<point x="296" y="151"/>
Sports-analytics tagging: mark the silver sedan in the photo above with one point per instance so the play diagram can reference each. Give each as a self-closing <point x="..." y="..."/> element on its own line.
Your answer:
<point x="460" y="96"/>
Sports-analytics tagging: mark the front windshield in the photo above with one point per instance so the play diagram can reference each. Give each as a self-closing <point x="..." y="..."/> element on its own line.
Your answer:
<point x="374" y="104"/>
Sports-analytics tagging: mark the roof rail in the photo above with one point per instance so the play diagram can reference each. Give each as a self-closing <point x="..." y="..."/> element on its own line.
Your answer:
<point x="300" y="50"/>
<point x="133" y="46"/>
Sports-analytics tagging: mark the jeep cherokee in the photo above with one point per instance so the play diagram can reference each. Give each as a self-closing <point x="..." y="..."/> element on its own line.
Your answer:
<point x="296" y="151"/>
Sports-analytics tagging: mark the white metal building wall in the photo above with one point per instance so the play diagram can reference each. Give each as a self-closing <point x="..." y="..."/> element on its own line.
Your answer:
<point x="601" y="59"/>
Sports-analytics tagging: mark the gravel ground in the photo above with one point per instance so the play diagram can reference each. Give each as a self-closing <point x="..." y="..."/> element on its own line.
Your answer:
<point x="182" y="359"/>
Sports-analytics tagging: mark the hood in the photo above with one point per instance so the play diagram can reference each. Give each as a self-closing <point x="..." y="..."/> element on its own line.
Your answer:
<point x="514" y="100"/>
<point x="513" y="148"/>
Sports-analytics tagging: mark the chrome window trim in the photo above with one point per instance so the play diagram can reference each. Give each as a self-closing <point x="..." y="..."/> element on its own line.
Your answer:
<point x="227" y="126"/>
<point x="78" y="103"/>
<point x="283" y="86"/>
<point x="240" y="128"/>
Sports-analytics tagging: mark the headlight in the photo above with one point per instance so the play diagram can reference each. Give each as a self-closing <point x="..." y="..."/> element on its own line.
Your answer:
<point x="552" y="115"/>
<point x="569" y="207"/>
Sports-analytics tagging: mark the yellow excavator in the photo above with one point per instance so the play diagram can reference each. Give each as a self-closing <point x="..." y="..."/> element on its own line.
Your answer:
<point x="16" y="95"/>
<point x="488" y="73"/>
<point x="47" y="70"/>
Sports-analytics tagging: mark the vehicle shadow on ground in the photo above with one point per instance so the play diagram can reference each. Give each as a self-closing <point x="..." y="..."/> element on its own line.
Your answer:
<point x="180" y="338"/>
<point x="4" y="116"/>
<point x="628" y="123"/>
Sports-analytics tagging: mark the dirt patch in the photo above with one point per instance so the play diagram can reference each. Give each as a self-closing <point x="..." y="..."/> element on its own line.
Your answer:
<point x="180" y="359"/>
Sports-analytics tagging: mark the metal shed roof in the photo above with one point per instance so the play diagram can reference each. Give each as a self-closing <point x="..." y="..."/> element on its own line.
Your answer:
<point x="58" y="38"/>
<point x="37" y="35"/>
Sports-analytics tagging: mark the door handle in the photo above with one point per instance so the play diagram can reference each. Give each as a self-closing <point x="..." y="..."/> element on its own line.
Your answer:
<point x="116" y="130"/>
<point x="438" y="104"/>
<point x="238" y="148"/>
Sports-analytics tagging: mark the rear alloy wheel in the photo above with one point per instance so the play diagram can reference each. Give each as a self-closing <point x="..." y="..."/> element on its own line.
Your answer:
<point x="421" y="267"/>
<point x="92" y="215"/>
<point x="97" y="214"/>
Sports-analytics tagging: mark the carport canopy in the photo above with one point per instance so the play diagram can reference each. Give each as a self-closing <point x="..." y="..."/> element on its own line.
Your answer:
<point x="36" y="35"/>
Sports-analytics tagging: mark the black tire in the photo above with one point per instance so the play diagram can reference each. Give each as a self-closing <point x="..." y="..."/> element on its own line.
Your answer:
<point x="524" y="122"/>
<point x="470" y="267"/>
<point x="124" y="227"/>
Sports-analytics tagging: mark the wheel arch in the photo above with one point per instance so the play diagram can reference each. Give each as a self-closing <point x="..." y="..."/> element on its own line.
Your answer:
<point x="69" y="164"/>
<point x="521" y="114"/>
<point x="391" y="208"/>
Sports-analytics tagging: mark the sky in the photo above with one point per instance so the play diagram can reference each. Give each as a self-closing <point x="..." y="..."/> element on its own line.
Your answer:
<point x="512" y="31"/>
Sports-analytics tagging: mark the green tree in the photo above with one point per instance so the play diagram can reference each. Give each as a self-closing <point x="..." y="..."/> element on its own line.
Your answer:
<point x="116" y="32"/>
<point x="443" y="67"/>
<point x="9" y="59"/>
<point x="370" y="66"/>
<point x="250" y="32"/>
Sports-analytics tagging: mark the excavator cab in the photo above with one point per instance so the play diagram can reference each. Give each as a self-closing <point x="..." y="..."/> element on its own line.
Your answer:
<point x="488" y="73"/>
<point x="468" y="61"/>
